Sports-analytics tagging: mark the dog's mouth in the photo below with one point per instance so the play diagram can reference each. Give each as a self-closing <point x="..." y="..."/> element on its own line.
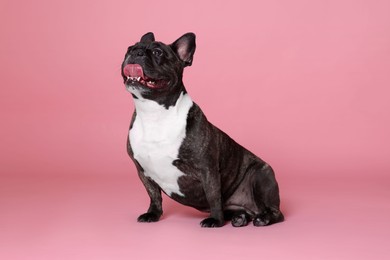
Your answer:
<point x="134" y="74"/>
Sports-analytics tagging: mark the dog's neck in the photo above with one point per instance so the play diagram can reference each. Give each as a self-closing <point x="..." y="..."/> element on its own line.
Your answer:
<point x="152" y="107"/>
<point x="166" y="98"/>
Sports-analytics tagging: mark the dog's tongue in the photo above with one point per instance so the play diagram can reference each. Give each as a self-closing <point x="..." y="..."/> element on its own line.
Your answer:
<point x="133" y="70"/>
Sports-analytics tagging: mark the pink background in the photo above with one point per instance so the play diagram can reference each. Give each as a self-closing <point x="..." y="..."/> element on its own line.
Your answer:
<point x="303" y="84"/>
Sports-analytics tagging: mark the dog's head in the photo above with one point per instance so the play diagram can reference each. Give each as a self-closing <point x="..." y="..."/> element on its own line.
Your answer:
<point x="154" y="70"/>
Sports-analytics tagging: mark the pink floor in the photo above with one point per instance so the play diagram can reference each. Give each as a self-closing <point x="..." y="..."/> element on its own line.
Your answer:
<point x="303" y="84"/>
<point x="66" y="217"/>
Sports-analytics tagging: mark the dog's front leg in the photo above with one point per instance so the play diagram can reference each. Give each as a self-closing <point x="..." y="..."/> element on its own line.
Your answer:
<point x="212" y="189"/>
<point x="155" y="209"/>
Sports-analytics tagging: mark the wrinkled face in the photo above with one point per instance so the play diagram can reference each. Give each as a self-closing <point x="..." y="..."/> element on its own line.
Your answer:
<point x="154" y="68"/>
<point x="151" y="66"/>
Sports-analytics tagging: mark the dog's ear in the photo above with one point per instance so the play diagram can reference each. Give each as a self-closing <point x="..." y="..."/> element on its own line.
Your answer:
<point x="184" y="47"/>
<point x="147" y="38"/>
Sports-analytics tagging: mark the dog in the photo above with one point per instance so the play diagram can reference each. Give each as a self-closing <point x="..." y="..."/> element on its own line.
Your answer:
<point x="176" y="150"/>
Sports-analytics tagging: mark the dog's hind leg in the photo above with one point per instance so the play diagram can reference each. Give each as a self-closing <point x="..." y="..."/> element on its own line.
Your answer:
<point x="266" y="196"/>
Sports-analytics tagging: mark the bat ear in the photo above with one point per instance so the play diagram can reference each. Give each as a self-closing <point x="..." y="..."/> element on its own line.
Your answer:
<point x="184" y="47"/>
<point x="148" y="38"/>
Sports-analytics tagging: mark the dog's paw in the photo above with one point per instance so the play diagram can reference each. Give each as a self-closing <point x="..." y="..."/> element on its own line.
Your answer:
<point x="240" y="220"/>
<point x="261" y="220"/>
<point x="211" y="222"/>
<point x="268" y="217"/>
<point x="148" y="217"/>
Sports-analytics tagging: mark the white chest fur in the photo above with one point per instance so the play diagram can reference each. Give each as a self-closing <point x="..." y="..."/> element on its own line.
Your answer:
<point x="156" y="137"/>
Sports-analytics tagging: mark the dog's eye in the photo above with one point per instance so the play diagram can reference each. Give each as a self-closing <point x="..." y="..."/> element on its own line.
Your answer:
<point x="157" y="52"/>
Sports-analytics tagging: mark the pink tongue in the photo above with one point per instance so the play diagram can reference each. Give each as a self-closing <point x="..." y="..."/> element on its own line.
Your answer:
<point x="133" y="70"/>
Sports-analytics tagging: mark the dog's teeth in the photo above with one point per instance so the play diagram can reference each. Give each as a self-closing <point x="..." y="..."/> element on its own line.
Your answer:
<point x="138" y="78"/>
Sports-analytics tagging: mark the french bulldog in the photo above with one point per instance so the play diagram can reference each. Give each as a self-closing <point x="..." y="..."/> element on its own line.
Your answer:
<point x="176" y="150"/>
